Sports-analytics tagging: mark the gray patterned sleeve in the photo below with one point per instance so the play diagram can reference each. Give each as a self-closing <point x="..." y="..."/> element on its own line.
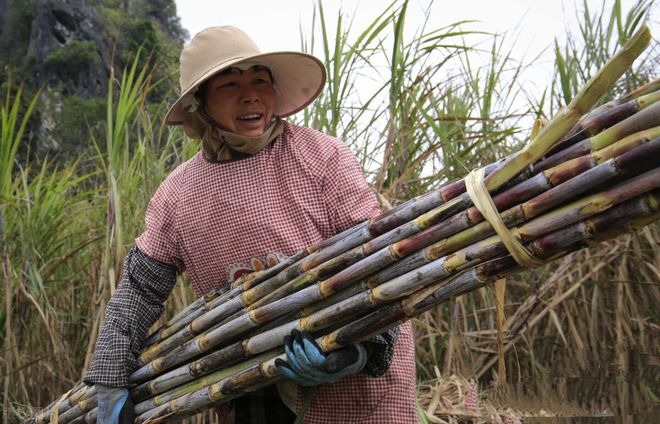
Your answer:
<point x="138" y="302"/>
<point x="380" y="350"/>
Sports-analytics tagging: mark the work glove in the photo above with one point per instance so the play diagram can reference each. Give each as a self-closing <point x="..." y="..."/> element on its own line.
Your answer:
<point x="308" y="365"/>
<point x="114" y="405"/>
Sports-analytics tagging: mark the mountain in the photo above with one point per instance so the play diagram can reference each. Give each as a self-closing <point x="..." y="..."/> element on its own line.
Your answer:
<point x="67" y="47"/>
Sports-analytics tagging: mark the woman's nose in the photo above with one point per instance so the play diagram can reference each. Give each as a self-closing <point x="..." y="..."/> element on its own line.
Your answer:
<point x="249" y="95"/>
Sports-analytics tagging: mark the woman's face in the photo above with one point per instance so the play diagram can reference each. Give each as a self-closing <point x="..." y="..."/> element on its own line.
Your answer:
<point x="243" y="102"/>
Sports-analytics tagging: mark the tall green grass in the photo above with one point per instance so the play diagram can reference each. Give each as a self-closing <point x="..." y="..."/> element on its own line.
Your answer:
<point x="422" y="113"/>
<point x="428" y="109"/>
<point x="600" y="34"/>
<point x="64" y="232"/>
<point x="11" y="134"/>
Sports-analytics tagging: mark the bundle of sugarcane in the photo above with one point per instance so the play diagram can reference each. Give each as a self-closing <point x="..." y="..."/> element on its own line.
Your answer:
<point x="585" y="177"/>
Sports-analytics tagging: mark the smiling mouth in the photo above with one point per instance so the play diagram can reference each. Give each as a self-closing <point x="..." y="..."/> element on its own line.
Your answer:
<point x="250" y="117"/>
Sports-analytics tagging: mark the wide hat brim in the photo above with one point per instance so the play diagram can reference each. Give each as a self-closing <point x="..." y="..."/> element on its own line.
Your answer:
<point x="299" y="79"/>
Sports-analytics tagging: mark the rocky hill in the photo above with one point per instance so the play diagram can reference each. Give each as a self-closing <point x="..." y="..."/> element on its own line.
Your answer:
<point x="67" y="47"/>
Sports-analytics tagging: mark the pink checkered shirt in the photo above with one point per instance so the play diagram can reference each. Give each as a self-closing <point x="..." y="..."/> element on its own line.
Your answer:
<point x="212" y="219"/>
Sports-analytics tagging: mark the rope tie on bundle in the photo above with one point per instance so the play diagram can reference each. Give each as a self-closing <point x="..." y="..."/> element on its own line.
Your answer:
<point x="476" y="189"/>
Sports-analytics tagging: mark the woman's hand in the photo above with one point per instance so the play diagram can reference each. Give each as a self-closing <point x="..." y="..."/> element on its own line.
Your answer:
<point x="308" y="365"/>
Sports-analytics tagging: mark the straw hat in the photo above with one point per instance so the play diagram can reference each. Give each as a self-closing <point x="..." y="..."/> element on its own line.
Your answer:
<point x="299" y="77"/>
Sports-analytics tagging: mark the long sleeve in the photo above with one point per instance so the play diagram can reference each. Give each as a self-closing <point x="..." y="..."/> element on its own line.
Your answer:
<point x="380" y="351"/>
<point x="138" y="302"/>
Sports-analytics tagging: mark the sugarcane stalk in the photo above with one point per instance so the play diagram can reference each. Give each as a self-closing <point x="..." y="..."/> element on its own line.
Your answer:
<point x="281" y="284"/>
<point x="469" y="227"/>
<point x="567" y="118"/>
<point x="635" y="153"/>
<point x="278" y="286"/>
<point x="647" y="88"/>
<point x="253" y="295"/>
<point x="584" y="100"/>
<point x="383" y="231"/>
<point x="547" y="243"/>
<point x="331" y="311"/>
<point x="79" y="393"/>
<point x="604" y="117"/>
<point x="351" y="306"/>
<point x="646" y="118"/>
<point x="331" y="267"/>
<point x="442" y="267"/>
<point x="250" y="286"/>
<point x="562" y="241"/>
<point x="199" y="383"/>
<point x="625" y="163"/>
<point x="376" y="227"/>
<point x="80" y="408"/>
<point x="547" y="246"/>
<point x="352" y="273"/>
<point x="218" y="296"/>
<point x="555" y="245"/>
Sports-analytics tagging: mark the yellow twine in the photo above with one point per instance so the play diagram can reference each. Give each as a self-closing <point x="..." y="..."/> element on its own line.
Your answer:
<point x="500" y="289"/>
<point x="476" y="189"/>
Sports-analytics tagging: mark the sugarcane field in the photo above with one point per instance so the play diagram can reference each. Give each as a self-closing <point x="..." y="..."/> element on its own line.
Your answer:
<point x="407" y="218"/>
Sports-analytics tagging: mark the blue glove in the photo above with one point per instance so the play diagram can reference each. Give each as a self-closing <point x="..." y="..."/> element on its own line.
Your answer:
<point x="114" y="405"/>
<point x="308" y="365"/>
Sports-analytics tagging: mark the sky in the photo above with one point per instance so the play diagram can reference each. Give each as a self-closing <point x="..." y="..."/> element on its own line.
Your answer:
<point x="529" y="26"/>
<point x="275" y="24"/>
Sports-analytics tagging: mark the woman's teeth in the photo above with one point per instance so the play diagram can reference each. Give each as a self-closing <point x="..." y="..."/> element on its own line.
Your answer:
<point x="249" y="117"/>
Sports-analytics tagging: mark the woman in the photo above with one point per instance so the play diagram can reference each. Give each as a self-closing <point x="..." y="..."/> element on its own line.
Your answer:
<point x="260" y="188"/>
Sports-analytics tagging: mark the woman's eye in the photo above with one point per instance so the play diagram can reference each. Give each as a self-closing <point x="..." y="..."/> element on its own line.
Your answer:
<point x="228" y="85"/>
